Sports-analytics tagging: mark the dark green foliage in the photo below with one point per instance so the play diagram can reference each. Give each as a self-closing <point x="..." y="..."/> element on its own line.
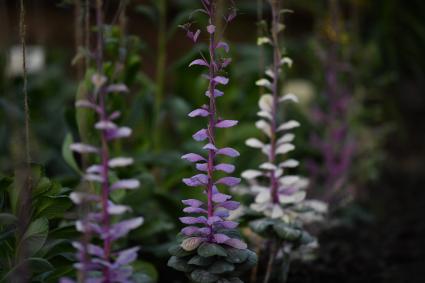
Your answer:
<point x="212" y="262"/>
<point x="40" y="246"/>
<point x="281" y="230"/>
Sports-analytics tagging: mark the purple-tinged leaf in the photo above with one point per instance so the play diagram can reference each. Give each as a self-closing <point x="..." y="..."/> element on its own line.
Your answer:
<point x="116" y="209"/>
<point x="202" y="167"/>
<point x="90" y="248"/>
<point x="83" y="148"/>
<point x="221" y="80"/>
<point x="105" y="125"/>
<point x="197" y="180"/>
<point x="193" y="220"/>
<point x="229" y="181"/>
<point x="115" y="115"/>
<point x="217" y="93"/>
<point x="199" y="62"/>
<point x="227" y="168"/>
<point x="210" y="146"/>
<point x="228" y="151"/>
<point x="225" y="62"/>
<point x="117" y="88"/>
<point x="192" y="202"/>
<point x="127" y="256"/>
<point x="122" y="228"/>
<point x="226" y="123"/>
<point x="220" y="198"/>
<point x="236" y="243"/>
<point x="93" y="178"/>
<point x="190" y="209"/>
<point x="130" y="184"/>
<point x="190" y="230"/>
<point x="193" y="35"/>
<point x="87" y="104"/>
<point x="121" y="132"/>
<point x="230" y="205"/>
<point x="228" y="224"/>
<point x="221" y="213"/>
<point x="223" y="45"/>
<point x="211" y="29"/>
<point x="193" y="157"/>
<point x="98" y="80"/>
<point x="94" y="169"/>
<point x="221" y="238"/>
<point x="199" y="112"/>
<point x="200" y="135"/>
<point x="213" y="219"/>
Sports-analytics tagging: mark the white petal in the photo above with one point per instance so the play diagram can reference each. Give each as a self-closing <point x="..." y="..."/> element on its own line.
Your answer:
<point x="105" y="125"/>
<point x="289" y="97"/>
<point x="295" y="198"/>
<point x="265" y="114"/>
<point x="264" y="126"/>
<point x="266" y="102"/>
<point x="263" y="197"/>
<point x="116" y="209"/>
<point x="289" y="180"/>
<point x="93" y="178"/>
<point x="264" y="82"/>
<point x="290" y="163"/>
<point x="120" y="162"/>
<point x="251" y="174"/>
<point x="277" y="211"/>
<point x="255" y="143"/>
<point x="94" y="169"/>
<point x="126" y="184"/>
<point x="286" y="60"/>
<point x="289" y="125"/>
<point x="289" y="137"/>
<point x="285" y="148"/>
<point x="268" y="166"/>
<point x="83" y="148"/>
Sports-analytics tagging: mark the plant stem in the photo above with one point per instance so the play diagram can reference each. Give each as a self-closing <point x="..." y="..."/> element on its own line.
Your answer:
<point x="212" y="115"/>
<point x="161" y="69"/>
<point x="105" y="149"/>
<point x="275" y="4"/>
<point x="274" y="249"/>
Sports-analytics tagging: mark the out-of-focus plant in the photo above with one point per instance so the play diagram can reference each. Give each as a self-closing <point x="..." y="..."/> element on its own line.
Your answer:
<point x="35" y="249"/>
<point x="337" y="143"/>
<point x="102" y="262"/>
<point x="280" y="209"/>
<point x="210" y="249"/>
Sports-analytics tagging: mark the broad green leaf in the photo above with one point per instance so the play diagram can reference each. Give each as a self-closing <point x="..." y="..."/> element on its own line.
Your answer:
<point x="200" y="261"/>
<point x="236" y="255"/>
<point x="178" y="251"/>
<point x="35" y="236"/>
<point x="286" y="232"/>
<point x="179" y="264"/>
<point x="7" y="219"/>
<point x="220" y="267"/>
<point x="211" y="249"/>
<point x="203" y="276"/>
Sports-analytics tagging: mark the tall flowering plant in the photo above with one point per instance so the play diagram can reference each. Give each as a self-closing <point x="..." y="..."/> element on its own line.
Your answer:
<point x="98" y="261"/>
<point x="280" y="209"/>
<point x="211" y="250"/>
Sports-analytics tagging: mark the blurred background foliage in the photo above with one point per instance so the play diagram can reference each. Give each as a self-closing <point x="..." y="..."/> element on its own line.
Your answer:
<point x="381" y="41"/>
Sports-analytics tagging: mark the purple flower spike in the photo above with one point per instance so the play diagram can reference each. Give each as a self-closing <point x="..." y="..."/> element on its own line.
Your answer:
<point x="103" y="223"/>
<point x="212" y="225"/>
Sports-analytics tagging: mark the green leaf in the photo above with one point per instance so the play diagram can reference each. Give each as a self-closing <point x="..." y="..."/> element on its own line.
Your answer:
<point x="147" y="269"/>
<point x="220" y="267"/>
<point x="36" y="265"/>
<point x="7" y="218"/>
<point x="211" y="249"/>
<point x="236" y="255"/>
<point x="179" y="264"/>
<point x="200" y="261"/>
<point x="178" y="251"/>
<point x="52" y="207"/>
<point x="286" y="232"/>
<point x="248" y="263"/>
<point x="68" y="155"/>
<point x="35" y="236"/>
<point x="203" y="276"/>
<point x="261" y="225"/>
